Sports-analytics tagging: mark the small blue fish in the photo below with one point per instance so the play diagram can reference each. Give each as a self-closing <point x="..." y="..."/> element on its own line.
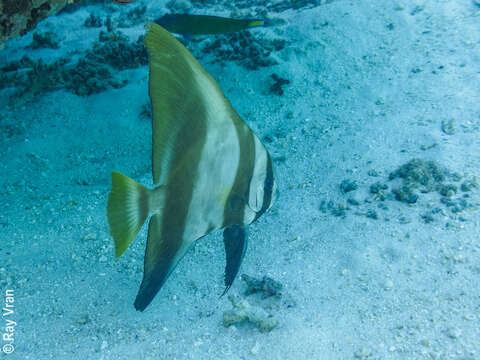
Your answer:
<point x="122" y="2"/>
<point x="186" y="24"/>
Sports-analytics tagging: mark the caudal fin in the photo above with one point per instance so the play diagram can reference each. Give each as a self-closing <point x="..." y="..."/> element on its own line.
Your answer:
<point x="127" y="210"/>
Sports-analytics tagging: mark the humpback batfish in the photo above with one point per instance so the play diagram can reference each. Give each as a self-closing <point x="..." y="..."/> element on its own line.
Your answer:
<point x="210" y="171"/>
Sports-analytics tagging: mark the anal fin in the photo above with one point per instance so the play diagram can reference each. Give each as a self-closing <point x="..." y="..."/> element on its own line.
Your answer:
<point x="162" y="255"/>
<point x="235" y="240"/>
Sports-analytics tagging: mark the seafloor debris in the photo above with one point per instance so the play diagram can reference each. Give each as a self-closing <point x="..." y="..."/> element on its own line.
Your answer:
<point x="426" y="174"/>
<point x="114" y="49"/>
<point x="244" y="312"/>
<point x="267" y="286"/>
<point x="277" y="87"/>
<point x="40" y="78"/>
<point x="48" y="39"/>
<point x="421" y="176"/>
<point x="242" y="47"/>
<point x="146" y="111"/>
<point x="93" y="21"/>
<point x="93" y="73"/>
<point x="262" y="5"/>
<point x="180" y="6"/>
<point x="414" y="178"/>
<point x="448" y="127"/>
<point x="378" y="187"/>
<point x="417" y="174"/>
<point x="347" y="186"/>
<point x="469" y="185"/>
<point x="89" y="77"/>
<point x="133" y="17"/>
<point x="372" y="214"/>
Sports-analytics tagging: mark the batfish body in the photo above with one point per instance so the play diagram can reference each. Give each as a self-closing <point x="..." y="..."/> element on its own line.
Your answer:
<point x="209" y="169"/>
<point x="204" y="24"/>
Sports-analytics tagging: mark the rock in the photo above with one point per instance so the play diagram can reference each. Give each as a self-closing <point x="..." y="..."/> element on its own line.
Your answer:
<point x="362" y="353"/>
<point x="405" y="194"/>
<point x="454" y="333"/>
<point x="388" y="285"/>
<point x="447" y="189"/>
<point x="347" y="186"/>
<point x="353" y="201"/>
<point x="469" y="185"/>
<point x="17" y="17"/>
<point x="377" y="187"/>
<point x="267" y="286"/>
<point x="277" y="87"/>
<point x="448" y="127"/>
<point x="372" y="214"/>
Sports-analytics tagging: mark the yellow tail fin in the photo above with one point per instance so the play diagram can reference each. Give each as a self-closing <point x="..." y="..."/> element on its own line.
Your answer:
<point x="127" y="210"/>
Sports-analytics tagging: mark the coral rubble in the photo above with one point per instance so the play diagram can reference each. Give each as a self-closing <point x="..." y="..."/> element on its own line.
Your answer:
<point x="244" y="312"/>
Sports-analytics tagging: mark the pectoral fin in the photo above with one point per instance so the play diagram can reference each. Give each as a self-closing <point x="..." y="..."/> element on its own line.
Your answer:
<point x="161" y="256"/>
<point x="235" y="240"/>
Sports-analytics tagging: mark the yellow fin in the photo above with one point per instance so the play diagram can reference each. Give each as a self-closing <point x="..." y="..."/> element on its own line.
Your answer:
<point x="127" y="210"/>
<point x="256" y="23"/>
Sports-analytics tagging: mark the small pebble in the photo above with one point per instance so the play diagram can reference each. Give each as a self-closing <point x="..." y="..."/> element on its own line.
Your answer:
<point x="372" y="214"/>
<point x="388" y="284"/>
<point x="425" y="343"/>
<point x="83" y="319"/>
<point x="90" y="236"/>
<point x="353" y="201"/>
<point x="454" y="333"/>
<point x="362" y="353"/>
<point x="448" y="127"/>
<point x="256" y="348"/>
<point x="347" y="186"/>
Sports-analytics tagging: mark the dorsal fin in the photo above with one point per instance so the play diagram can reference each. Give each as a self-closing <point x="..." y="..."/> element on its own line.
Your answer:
<point x="179" y="88"/>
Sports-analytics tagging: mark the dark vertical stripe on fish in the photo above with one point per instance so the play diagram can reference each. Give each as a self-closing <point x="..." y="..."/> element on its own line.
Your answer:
<point x="179" y="192"/>
<point x="243" y="176"/>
